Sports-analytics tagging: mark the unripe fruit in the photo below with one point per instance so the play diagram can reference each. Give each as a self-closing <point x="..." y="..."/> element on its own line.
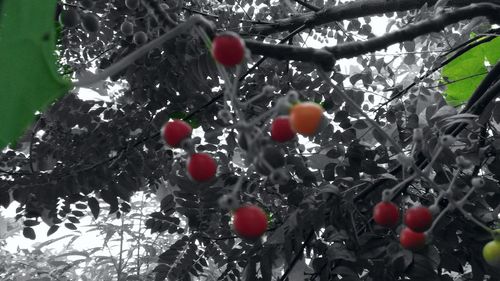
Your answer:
<point x="386" y="214"/>
<point x="174" y="132"/>
<point x="201" y="167"/>
<point x="228" y="201"/>
<point x="447" y="140"/>
<point x="228" y="49"/>
<point x="87" y="4"/>
<point x="69" y="18"/>
<point x="418" y="135"/>
<point x="127" y="28"/>
<point x="305" y="118"/>
<point x="140" y="37"/>
<point x="419" y="219"/>
<point x="90" y="23"/>
<point x="477" y="182"/>
<point x="463" y="163"/>
<point x="132" y="4"/>
<point x="411" y="240"/>
<point x="491" y="253"/>
<point x="225" y="116"/>
<point x="249" y="222"/>
<point x="273" y="157"/>
<point x="404" y="160"/>
<point x="281" y="129"/>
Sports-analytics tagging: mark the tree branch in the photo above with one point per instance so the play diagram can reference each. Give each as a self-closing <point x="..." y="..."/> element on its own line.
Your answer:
<point x="309" y="6"/>
<point x="298" y="255"/>
<point x="436" y="24"/>
<point x="350" y="10"/>
<point x="353" y="49"/>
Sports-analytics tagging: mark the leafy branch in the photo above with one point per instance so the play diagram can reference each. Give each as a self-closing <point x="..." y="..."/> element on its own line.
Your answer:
<point x="326" y="57"/>
<point x="346" y="11"/>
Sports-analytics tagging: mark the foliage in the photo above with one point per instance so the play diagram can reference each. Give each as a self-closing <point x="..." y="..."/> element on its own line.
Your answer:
<point x="29" y="79"/>
<point x="470" y="65"/>
<point x="109" y="148"/>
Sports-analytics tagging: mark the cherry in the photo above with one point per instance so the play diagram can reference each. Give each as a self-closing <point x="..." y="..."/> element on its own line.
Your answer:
<point x="132" y="4"/>
<point x="386" y="214"/>
<point x="69" y="18"/>
<point x="201" y="167"/>
<point x="140" y="37"/>
<point x="90" y="23"/>
<point x="127" y="28"/>
<point x="411" y="240"/>
<point x="249" y="222"/>
<point x="87" y="4"/>
<point x="228" y="49"/>
<point x="174" y="132"/>
<point x="419" y="219"/>
<point x="281" y="129"/>
<point x="491" y="253"/>
<point x="306" y="117"/>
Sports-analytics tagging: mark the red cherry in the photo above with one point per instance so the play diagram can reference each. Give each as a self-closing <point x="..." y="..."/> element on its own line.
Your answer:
<point x="419" y="219"/>
<point x="411" y="240"/>
<point x="228" y="49"/>
<point x="174" y="132"/>
<point x="249" y="222"/>
<point x="281" y="129"/>
<point x="386" y="214"/>
<point x="201" y="167"/>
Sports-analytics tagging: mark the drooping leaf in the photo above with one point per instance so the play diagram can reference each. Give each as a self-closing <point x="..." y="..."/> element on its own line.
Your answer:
<point x="94" y="206"/>
<point x="29" y="233"/>
<point x="466" y="72"/>
<point x="29" y="80"/>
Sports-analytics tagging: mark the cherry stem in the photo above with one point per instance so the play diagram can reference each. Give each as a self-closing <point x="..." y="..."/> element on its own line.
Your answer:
<point x="469" y="216"/>
<point x="462" y="201"/>
<point x="441" y="214"/>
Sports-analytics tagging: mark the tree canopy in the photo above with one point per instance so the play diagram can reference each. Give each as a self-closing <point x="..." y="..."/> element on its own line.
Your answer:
<point x="406" y="114"/>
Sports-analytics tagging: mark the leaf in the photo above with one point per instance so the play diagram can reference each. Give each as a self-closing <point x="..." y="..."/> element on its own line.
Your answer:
<point x="29" y="233"/>
<point x="94" y="206"/>
<point x="468" y="71"/>
<point x="70" y="226"/>
<point x="29" y="79"/>
<point x="52" y="229"/>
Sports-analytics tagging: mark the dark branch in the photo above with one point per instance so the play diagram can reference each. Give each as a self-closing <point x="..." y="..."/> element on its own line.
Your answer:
<point x="353" y="49"/>
<point x="309" y="6"/>
<point x="287" y="52"/>
<point x="297" y="256"/>
<point x="350" y="10"/>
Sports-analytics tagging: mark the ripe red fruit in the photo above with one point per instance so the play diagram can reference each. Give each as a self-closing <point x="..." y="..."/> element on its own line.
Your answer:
<point x="174" y="132"/>
<point x="411" y="240"/>
<point x="419" y="219"/>
<point x="228" y="49"/>
<point x="386" y="214"/>
<point x="249" y="222"/>
<point x="201" y="167"/>
<point x="281" y="129"/>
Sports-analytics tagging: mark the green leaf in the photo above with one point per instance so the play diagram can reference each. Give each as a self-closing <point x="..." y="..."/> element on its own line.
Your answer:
<point x="465" y="73"/>
<point x="29" y="79"/>
<point x="195" y="123"/>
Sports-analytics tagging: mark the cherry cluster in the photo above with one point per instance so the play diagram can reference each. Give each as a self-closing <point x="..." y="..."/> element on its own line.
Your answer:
<point x="72" y="17"/>
<point x="249" y="221"/>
